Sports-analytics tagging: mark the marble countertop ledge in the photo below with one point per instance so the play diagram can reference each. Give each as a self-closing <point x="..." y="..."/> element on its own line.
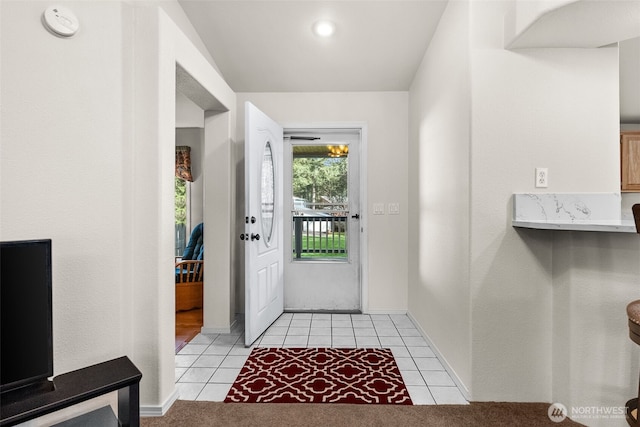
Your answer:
<point x="612" y="226"/>
<point x="571" y="212"/>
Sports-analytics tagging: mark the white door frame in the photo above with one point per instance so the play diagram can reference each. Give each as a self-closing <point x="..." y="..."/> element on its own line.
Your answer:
<point x="363" y="211"/>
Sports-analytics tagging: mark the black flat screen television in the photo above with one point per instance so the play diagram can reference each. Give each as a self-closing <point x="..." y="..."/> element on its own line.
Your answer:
<point x="26" y="332"/>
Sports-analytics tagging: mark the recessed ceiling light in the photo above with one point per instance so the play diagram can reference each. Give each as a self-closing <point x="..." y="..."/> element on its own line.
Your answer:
<point x="324" y="28"/>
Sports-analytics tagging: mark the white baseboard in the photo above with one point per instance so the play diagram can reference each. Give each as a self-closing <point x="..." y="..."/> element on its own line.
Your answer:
<point x="159" y="411"/>
<point x="204" y="330"/>
<point x="385" y="312"/>
<point x="463" y="389"/>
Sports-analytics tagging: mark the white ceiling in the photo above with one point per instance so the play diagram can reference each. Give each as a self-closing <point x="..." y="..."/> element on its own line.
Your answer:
<point x="268" y="46"/>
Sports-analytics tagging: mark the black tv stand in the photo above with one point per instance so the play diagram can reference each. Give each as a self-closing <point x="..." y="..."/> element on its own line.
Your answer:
<point x="75" y="387"/>
<point x="26" y="391"/>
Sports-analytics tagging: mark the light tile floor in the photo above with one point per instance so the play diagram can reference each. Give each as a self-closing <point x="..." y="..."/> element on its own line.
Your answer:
<point x="207" y="366"/>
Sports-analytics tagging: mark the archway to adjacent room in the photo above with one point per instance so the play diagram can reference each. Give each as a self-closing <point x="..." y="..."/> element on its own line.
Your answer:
<point x="189" y="215"/>
<point x="203" y="129"/>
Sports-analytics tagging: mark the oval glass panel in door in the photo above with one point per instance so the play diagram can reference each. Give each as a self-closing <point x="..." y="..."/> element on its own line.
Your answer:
<point x="267" y="191"/>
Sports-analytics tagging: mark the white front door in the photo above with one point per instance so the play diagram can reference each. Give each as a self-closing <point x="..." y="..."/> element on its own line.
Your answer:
<point x="322" y="220"/>
<point x="263" y="237"/>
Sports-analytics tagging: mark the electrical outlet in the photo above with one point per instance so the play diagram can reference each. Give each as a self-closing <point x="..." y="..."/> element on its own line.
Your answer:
<point x="542" y="177"/>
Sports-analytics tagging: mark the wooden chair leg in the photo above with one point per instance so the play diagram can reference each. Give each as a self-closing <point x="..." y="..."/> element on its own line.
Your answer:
<point x="632" y="409"/>
<point x="632" y="412"/>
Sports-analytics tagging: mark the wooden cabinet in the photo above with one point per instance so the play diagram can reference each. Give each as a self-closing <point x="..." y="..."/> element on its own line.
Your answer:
<point x="630" y="161"/>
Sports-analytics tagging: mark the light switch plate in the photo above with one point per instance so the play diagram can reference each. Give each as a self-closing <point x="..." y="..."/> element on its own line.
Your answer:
<point x="378" y="208"/>
<point x="394" y="208"/>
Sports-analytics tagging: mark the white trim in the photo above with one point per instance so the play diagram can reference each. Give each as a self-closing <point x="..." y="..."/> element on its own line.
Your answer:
<point x="463" y="389"/>
<point x="159" y="411"/>
<point x="204" y="330"/>
<point x="389" y="312"/>
<point x="364" y="250"/>
<point x="188" y="198"/>
<point x="364" y="220"/>
<point x="228" y="330"/>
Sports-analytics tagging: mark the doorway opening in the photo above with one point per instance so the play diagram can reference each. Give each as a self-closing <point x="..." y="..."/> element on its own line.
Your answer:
<point x="189" y="247"/>
<point x="322" y="268"/>
<point x="275" y="279"/>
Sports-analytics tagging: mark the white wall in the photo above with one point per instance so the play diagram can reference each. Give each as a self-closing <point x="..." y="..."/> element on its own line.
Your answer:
<point x="595" y="276"/>
<point x="523" y="13"/>
<point x="386" y="115"/>
<point x="153" y="195"/>
<point x="87" y="159"/>
<point x="188" y="113"/>
<point x="569" y="23"/>
<point x="439" y="192"/>
<point x="504" y="332"/>
<point x="64" y="146"/>
<point x="555" y="108"/>
<point x="630" y="81"/>
<point x="65" y="143"/>
<point x="174" y="9"/>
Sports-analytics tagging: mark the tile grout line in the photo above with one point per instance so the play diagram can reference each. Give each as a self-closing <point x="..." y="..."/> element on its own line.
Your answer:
<point x="414" y="362"/>
<point x="396" y="327"/>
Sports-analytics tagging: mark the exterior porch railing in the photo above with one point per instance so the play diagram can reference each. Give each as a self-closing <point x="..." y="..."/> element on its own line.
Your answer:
<point x="320" y="237"/>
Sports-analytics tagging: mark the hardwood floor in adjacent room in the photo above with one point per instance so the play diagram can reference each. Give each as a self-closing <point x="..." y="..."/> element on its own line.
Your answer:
<point x="188" y="325"/>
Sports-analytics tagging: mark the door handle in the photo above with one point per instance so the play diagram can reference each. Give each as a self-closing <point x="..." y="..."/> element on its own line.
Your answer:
<point x="355" y="216"/>
<point x="245" y="236"/>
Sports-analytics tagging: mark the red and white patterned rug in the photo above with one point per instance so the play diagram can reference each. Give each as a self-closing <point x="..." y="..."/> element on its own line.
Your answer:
<point x="320" y="375"/>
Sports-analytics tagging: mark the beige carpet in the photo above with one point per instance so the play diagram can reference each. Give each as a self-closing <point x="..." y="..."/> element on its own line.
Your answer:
<point x="192" y="414"/>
